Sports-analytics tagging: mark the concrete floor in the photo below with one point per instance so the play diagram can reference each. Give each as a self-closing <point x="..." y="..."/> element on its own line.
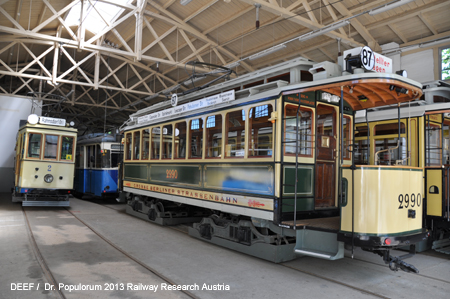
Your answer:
<point x="77" y="256"/>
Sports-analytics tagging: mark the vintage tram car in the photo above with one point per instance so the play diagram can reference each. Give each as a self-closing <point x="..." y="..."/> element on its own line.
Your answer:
<point x="270" y="154"/>
<point x="44" y="162"/>
<point x="416" y="134"/>
<point x="97" y="165"/>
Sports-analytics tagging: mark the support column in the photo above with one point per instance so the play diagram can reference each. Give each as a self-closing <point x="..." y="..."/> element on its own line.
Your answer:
<point x="55" y="64"/>
<point x="138" y="30"/>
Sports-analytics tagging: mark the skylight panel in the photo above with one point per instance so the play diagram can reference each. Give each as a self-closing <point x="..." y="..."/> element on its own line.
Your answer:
<point x="96" y="17"/>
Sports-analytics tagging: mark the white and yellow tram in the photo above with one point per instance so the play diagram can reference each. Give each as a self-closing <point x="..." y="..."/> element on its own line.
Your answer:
<point x="271" y="156"/>
<point x="44" y="165"/>
<point x="415" y="134"/>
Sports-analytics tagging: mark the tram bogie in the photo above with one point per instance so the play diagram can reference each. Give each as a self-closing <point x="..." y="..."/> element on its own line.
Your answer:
<point x="275" y="166"/>
<point x="44" y="162"/>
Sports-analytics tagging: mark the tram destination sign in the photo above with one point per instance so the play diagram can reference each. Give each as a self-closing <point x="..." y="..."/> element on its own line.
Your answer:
<point x="210" y="101"/>
<point x="52" y="121"/>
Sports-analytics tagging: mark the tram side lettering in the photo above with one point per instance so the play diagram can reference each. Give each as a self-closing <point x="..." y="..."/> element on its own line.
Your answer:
<point x="407" y="200"/>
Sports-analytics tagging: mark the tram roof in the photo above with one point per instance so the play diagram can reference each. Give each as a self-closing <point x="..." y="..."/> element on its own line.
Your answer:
<point x="361" y="91"/>
<point x="367" y="90"/>
<point x="49" y="127"/>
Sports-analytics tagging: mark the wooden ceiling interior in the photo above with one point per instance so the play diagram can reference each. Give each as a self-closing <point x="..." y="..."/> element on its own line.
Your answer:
<point x="119" y="64"/>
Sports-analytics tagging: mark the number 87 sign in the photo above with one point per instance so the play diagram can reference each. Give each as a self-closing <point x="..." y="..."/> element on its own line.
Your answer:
<point x="371" y="60"/>
<point x="367" y="58"/>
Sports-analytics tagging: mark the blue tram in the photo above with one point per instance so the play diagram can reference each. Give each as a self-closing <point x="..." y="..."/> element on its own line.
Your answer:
<point x="96" y="171"/>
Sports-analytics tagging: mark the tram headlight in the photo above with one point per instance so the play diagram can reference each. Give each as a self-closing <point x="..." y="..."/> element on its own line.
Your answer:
<point x="48" y="178"/>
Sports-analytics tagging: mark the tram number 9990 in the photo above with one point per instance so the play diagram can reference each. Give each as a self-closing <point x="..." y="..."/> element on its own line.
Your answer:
<point x="407" y="201"/>
<point x="171" y="174"/>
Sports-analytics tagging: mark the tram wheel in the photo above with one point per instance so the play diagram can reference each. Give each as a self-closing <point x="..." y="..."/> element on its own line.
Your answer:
<point x="152" y="214"/>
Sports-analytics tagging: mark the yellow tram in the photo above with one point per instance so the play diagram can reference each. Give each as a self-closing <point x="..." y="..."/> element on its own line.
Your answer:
<point x="415" y="134"/>
<point x="44" y="165"/>
<point x="264" y="165"/>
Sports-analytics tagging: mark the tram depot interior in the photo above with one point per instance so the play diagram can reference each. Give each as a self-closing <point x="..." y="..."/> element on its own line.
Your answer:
<point x="224" y="148"/>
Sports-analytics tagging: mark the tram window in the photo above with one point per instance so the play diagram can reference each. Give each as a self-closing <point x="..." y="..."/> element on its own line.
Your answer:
<point x="347" y="136"/>
<point x="89" y="156"/>
<point x="98" y="156"/>
<point x="306" y="76"/>
<point x="22" y="145"/>
<point x="214" y="136"/>
<point x="180" y="140"/>
<point x="433" y="150"/>
<point x="66" y="148"/>
<point x="145" y="144"/>
<point x="128" y="146"/>
<point x="325" y="125"/>
<point x="34" y="145"/>
<point x="104" y="158"/>
<point x="390" y="157"/>
<point x="433" y="190"/>
<point x="156" y="134"/>
<point x="389" y="129"/>
<point x="284" y="77"/>
<point x="167" y="137"/>
<point x="196" y="136"/>
<point x="235" y="134"/>
<point x="361" y="131"/>
<point x="253" y="84"/>
<point x="304" y="131"/>
<point x="136" y="144"/>
<point x="440" y="99"/>
<point x="51" y="146"/>
<point x="361" y="152"/>
<point x="260" y="141"/>
<point x="115" y="159"/>
<point x="361" y="149"/>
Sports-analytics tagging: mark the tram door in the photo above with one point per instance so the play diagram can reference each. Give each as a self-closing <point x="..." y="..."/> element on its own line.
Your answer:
<point x="325" y="156"/>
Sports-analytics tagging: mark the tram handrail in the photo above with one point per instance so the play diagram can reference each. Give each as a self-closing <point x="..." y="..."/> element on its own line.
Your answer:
<point x="400" y="162"/>
<point x="386" y="150"/>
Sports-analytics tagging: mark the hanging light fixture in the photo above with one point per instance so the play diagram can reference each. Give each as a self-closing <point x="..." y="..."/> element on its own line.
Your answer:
<point x="388" y="6"/>
<point x="323" y="30"/>
<point x="258" y="6"/>
<point x="267" y="52"/>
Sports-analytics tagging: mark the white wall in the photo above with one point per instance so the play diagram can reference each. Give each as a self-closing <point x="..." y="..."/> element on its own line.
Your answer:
<point x="394" y="56"/>
<point x="420" y="65"/>
<point x="12" y="110"/>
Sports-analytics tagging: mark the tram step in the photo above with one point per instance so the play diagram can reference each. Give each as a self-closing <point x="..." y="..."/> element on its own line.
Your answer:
<point x="319" y="244"/>
<point x="38" y="203"/>
<point x="442" y="246"/>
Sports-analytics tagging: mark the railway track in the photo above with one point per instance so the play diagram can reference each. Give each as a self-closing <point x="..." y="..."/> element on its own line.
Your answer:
<point x="150" y="269"/>
<point x="183" y="228"/>
<point x="51" y="279"/>
<point x="40" y="259"/>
